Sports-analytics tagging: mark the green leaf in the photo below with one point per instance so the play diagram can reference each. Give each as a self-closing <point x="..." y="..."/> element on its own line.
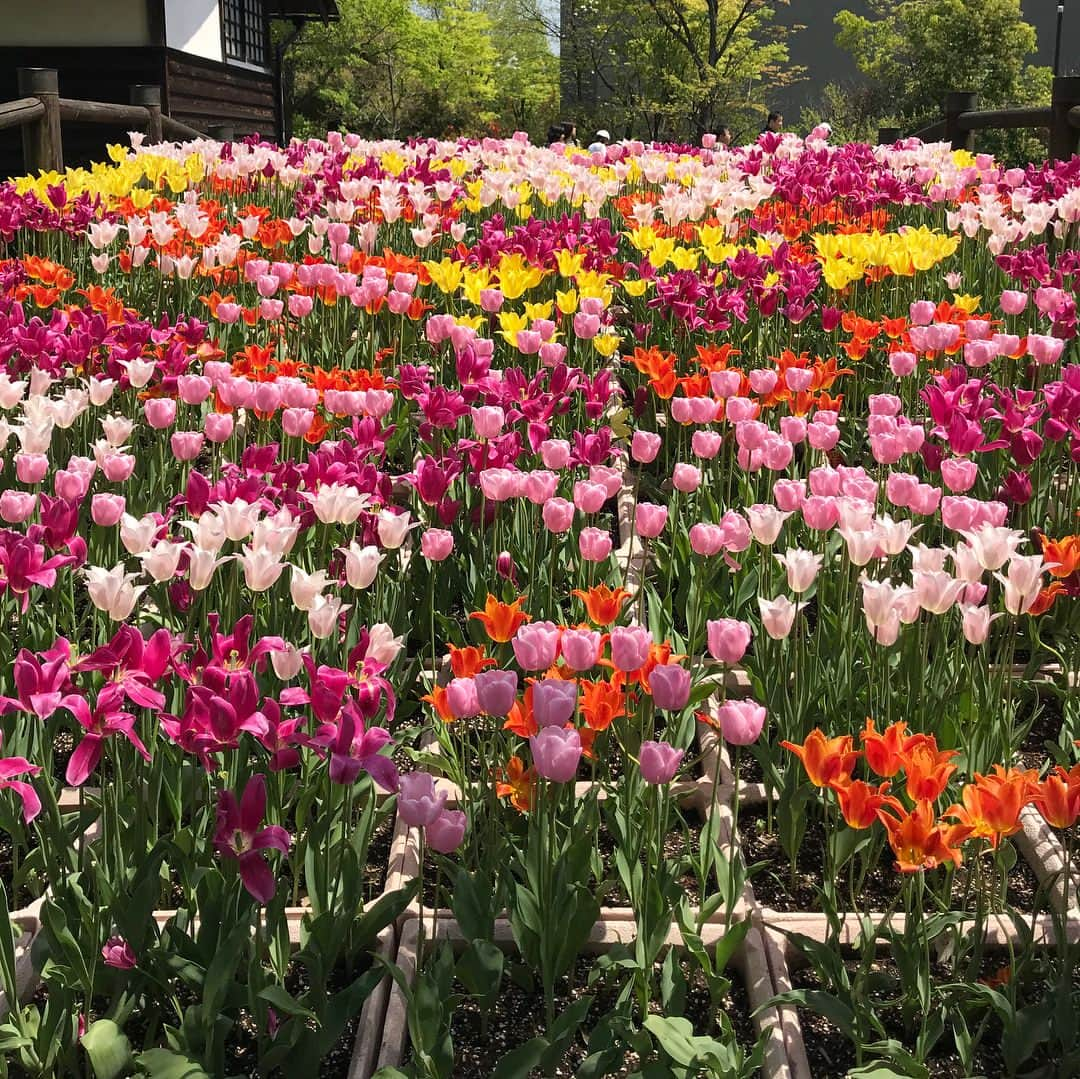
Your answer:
<point x="675" y="1036"/>
<point x="520" y="1062"/>
<point x="281" y="1000"/>
<point x="165" y="1064"/>
<point x="480" y="970"/>
<point x="108" y="1048"/>
<point x="834" y="1009"/>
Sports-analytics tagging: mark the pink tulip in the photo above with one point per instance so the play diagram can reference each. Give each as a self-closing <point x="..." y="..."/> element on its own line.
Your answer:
<point x="16" y="506"/>
<point x="650" y="519"/>
<point x="793" y="429"/>
<point x="554" y="701"/>
<point x="496" y="691"/>
<point x="706" y="444"/>
<point x="726" y="384"/>
<point x="296" y="422"/>
<point x="820" y="512"/>
<point x="777" y="616"/>
<point x="630" y="647"/>
<point x="555" y="453"/>
<point x="580" y="648"/>
<point x="118" y="954"/>
<point x="802" y="568"/>
<point x="728" y="639"/>
<point x="536" y="645"/>
<point x="193" y="389"/>
<point x="669" y="684"/>
<point x="186" y="445"/>
<point x="922" y="312"/>
<point x="686" y="478"/>
<point x="106" y="510"/>
<point x="488" y="421"/>
<point x="765" y="523"/>
<point x="160" y="412"/>
<point x="461" y="698"/>
<point x="644" y="446"/>
<point x="706" y="539"/>
<point x="741" y="721"/>
<point x="594" y="544"/>
<point x="218" y="426"/>
<point x="763" y="381"/>
<point x="789" y="494"/>
<point x="902" y="363"/>
<point x="659" y="762"/>
<point x="558" y="515"/>
<point x="822" y="436"/>
<point x="589" y="497"/>
<point x="436" y="544"/>
<point x="556" y="752"/>
<point x="445" y="833"/>
<point x="1013" y="302"/>
<point x="31" y="467"/>
<point x="418" y="803"/>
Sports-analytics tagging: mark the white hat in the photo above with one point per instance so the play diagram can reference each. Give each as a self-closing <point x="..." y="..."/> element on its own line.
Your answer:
<point x="603" y="134"/>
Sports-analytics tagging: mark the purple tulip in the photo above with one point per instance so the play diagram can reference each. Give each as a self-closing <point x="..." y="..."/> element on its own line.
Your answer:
<point x="446" y="831"/>
<point x="659" y="762"/>
<point x="556" y="752"/>
<point x="670" y="686"/>
<point x="554" y="701"/>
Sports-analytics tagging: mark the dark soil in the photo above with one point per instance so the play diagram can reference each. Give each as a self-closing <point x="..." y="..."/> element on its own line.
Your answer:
<point x="21" y="894"/>
<point x="774" y="888"/>
<point x="1033" y="752"/>
<point x="518" y="1016"/>
<point x="681" y="841"/>
<point x="831" y="1054"/>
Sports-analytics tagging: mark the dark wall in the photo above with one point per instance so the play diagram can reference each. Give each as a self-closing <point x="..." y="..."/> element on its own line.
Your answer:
<point x="200" y="93"/>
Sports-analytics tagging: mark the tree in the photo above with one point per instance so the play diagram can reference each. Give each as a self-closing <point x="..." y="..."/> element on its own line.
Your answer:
<point x="673" y="68"/>
<point x="913" y="52"/>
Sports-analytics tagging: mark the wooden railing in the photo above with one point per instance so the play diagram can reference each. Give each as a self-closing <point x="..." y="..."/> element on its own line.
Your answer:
<point x="41" y="112"/>
<point x="963" y="118"/>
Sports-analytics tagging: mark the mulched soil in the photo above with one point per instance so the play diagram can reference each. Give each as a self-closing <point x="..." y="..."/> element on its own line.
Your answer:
<point x="677" y="843"/>
<point x="831" y="1054"/>
<point x="518" y="1015"/>
<point x="774" y="888"/>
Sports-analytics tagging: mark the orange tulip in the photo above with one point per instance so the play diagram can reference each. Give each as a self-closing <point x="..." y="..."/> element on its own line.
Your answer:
<point x="860" y="802"/>
<point x="468" y="662"/>
<point x="602" y="604"/>
<point x="928" y="768"/>
<point x="1062" y="556"/>
<point x="517" y="783"/>
<point x="501" y="620"/>
<point x="1046" y="598"/>
<point x="883" y="750"/>
<point x="991" y="804"/>
<point x="437" y="699"/>
<point x="918" y="840"/>
<point x="826" y="760"/>
<point x="1057" y="797"/>
<point x="601" y="702"/>
<point x="521" y="719"/>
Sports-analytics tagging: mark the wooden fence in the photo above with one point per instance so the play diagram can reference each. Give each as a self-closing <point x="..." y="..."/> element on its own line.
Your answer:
<point x="41" y="113"/>
<point x="963" y="118"/>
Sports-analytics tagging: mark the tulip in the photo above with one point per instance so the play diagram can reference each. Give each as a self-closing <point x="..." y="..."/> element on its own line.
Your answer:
<point x="17" y="506"/>
<point x="496" y="691"/>
<point x="218" y="427"/>
<point x="670" y="687"/>
<point x="262" y="568"/>
<point x="112" y="590"/>
<point x="580" y="648"/>
<point x="462" y="698"/>
<point x="436" y="544"/>
<point x="802" y="568"/>
<point x="118" y="954"/>
<point x="594" y="544"/>
<point x="445" y="833"/>
<point x="535" y="645"/>
<point x="649" y="519"/>
<point x="686" y="478"/>
<point x="361" y="564"/>
<point x="644" y="446"/>
<point x="186" y="445"/>
<point x="555" y="453"/>
<point x="741" y="721"/>
<point x="630" y="647"/>
<point x="777" y="616"/>
<point x="556" y="752"/>
<point x="558" y="515"/>
<point x="659" y="762"/>
<point x="160" y="412"/>
<point x="393" y="528"/>
<point x="31" y="467"/>
<point x="554" y="701"/>
<point x="728" y="639"/>
<point x="418" y="804"/>
<point x="106" y="510"/>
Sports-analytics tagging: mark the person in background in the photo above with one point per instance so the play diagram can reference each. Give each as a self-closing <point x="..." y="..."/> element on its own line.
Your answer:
<point x="569" y="132"/>
<point x="774" y="123"/>
<point x="723" y="136"/>
<point x="600" y="141"/>
<point x="554" y="134"/>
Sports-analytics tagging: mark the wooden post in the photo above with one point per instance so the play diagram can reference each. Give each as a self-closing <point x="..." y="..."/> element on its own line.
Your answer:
<point x="42" y="148"/>
<point x="149" y="97"/>
<point x="1063" y="136"/>
<point x="222" y="132"/>
<point x="957" y="102"/>
<point x="886" y="136"/>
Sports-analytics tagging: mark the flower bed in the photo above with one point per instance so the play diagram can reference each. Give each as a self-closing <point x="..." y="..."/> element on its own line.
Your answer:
<point x="671" y="555"/>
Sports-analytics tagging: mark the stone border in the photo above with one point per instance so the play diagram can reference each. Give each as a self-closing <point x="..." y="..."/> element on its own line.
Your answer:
<point x="750" y="960"/>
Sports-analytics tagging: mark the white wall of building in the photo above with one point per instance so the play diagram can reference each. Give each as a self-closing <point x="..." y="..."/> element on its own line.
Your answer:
<point x="194" y="26"/>
<point x="78" y="22"/>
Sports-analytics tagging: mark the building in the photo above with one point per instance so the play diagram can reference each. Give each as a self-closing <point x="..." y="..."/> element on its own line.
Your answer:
<point x="214" y="60"/>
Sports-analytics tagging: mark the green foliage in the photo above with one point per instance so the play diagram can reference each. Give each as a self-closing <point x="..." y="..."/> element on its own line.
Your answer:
<point x="671" y="69"/>
<point x="389" y="68"/>
<point x="913" y="52"/>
